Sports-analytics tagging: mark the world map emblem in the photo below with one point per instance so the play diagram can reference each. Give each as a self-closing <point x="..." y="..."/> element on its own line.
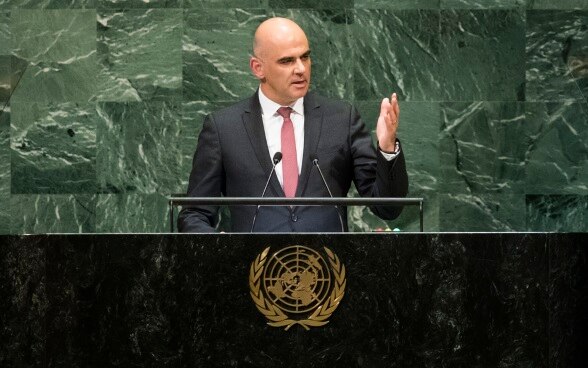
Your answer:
<point x="297" y="285"/>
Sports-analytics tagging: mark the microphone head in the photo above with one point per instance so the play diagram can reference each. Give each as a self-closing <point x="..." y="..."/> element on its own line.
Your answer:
<point x="277" y="158"/>
<point x="314" y="160"/>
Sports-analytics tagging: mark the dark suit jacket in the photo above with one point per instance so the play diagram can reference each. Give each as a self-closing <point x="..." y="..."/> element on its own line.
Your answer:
<point x="232" y="159"/>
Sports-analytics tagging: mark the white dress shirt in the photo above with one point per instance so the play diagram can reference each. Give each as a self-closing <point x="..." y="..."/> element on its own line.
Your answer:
<point x="272" y="126"/>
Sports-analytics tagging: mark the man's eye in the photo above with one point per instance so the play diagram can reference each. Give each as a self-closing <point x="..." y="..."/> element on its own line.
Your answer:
<point x="305" y="57"/>
<point x="286" y="61"/>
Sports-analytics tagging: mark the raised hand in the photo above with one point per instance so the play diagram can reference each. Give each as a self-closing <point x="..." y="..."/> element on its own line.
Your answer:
<point x="388" y="124"/>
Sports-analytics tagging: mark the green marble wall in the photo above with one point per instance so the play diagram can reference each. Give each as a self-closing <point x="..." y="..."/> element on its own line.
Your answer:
<point x="102" y="100"/>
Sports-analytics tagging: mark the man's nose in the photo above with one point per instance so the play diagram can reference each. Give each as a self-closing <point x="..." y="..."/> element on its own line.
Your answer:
<point x="300" y="67"/>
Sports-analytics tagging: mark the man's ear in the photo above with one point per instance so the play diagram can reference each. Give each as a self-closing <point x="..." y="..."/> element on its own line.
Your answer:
<point x="256" y="67"/>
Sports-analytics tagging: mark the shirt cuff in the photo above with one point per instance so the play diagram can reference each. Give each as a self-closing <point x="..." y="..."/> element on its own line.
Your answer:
<point x="391" y="156"/>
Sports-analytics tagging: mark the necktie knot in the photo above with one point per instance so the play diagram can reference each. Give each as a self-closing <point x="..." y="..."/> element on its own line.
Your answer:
<point x="284" y="112"/>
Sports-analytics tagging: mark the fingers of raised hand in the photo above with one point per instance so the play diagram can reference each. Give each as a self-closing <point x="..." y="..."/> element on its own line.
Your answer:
<point x="389" y="112"/>
<point x="395" y="106"/>
<point x="385" y="107"/>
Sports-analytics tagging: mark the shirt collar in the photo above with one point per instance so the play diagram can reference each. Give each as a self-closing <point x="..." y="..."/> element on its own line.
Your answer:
<point x="269" y="107"/>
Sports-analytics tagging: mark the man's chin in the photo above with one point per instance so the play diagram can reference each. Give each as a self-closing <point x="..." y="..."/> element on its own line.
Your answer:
<point x="300" y="92"/>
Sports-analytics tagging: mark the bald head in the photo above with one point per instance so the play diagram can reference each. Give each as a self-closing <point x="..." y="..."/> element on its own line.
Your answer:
<point x="281" y="60"/>
<point x="275" y="32"/>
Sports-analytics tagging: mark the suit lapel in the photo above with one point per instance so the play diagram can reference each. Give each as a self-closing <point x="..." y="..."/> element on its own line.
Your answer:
<point x="313" y="119"/>
<point x="254" y="127"/>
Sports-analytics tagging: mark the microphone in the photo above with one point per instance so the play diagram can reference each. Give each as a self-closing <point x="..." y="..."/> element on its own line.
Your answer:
<point x="315" y="162"/>
<point x="276" y="160"/>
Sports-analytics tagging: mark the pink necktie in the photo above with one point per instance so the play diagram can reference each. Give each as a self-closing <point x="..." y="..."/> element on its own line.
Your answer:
<point x="289" y="158"/>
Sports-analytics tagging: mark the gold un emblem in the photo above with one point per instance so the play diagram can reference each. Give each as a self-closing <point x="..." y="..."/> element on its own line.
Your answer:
<point x="297" y="286"/>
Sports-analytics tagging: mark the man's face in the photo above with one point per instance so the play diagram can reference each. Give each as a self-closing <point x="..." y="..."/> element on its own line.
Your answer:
<point x="284" y="69"/>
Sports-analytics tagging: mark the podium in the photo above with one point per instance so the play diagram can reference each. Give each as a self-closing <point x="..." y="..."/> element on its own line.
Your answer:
<point x="258" y="202"/>
<point x="180" y="300"/>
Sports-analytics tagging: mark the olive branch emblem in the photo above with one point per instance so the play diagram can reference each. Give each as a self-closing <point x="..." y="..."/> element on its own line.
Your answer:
<point x="276" y="316"/>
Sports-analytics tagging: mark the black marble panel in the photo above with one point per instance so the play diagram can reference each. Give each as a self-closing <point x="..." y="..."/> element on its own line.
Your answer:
<point x="129" y="157"/>
<point x="397" y="4"/>
<point x="557" y="55"/>
<point x="49" y="4"/>
<point x="18" y="67"/>
<point x="53" y="147"/>
<point x="477" y="4"/>
<point x="557" y="150"/>
<point x="559" y="213"/>
<point x="426" y="303"/>
<point x="59" y="48"/>
<point x="5" y="32"/>
<point x="568" y="300"/>
<point x="23" y="302"/>
<point x="132" y="213"/>
<point x="426" y="300"/>
<point x="467" y="212"/>
<point x="132" y="4"/>
<point x="140" y="54"/>
<point x="481" y="55"/>
<point x="483" y="147"/>
<point x="38" y="214"/>
<point x="5" y="87"/>
<point x="396" y="51"/>
<point x="5" y="169"/>
<point x="224" y="4"/>
<point x="311" y="4"/>
<point x="548" y="4"/>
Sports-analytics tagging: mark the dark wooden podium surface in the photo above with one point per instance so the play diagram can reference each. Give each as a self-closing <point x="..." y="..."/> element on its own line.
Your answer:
<point x="177" y="300"/>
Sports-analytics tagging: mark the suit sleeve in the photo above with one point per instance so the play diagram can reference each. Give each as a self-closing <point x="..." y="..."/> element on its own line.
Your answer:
<point x="374" y="176"/>
<point x="207" y="179"/>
